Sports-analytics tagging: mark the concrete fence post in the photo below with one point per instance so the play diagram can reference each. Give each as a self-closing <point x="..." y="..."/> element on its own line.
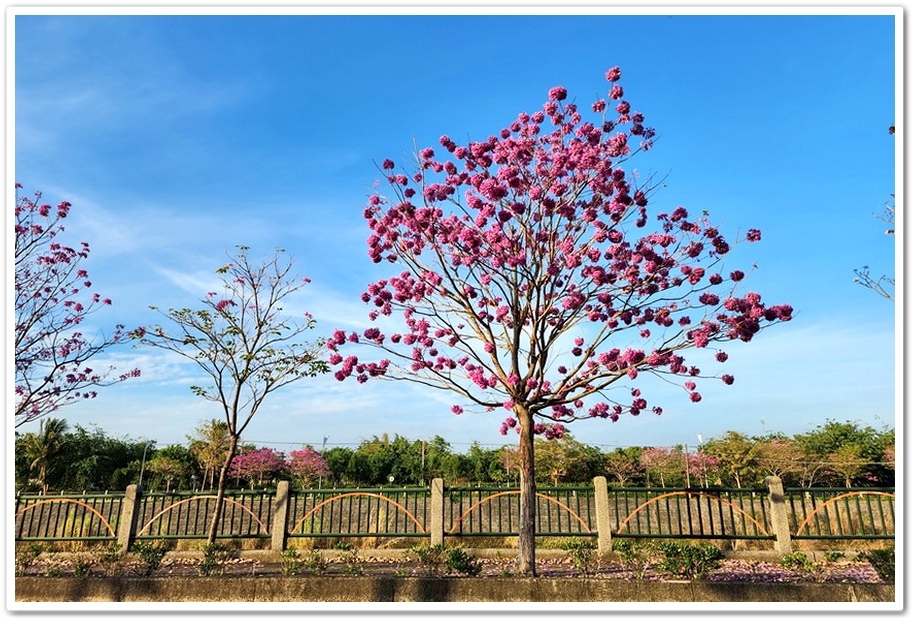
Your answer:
<point x="602" y="516"/>
<point x="130" y="513"/>
<point x="280" y="515"/>
<point x="437" y="512"/>
<point x="779" y="515"/>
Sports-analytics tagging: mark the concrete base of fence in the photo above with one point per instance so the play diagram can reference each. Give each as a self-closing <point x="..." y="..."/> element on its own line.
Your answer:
<point x="401" y="589"/>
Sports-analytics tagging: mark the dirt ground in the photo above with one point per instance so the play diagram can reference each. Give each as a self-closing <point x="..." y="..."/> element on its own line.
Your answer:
<point x="842" y="571"/>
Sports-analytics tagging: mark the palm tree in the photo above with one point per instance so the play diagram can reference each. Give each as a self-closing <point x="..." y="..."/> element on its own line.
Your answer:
<point x="210" y="447"/>
<point x="43" y="447"/>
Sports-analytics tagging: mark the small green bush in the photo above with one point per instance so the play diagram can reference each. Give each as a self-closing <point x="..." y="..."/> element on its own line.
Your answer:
<point x="688" y="561"/>
<point x="636" y="555"/>
<point x="290" y="562"/>
<point x="82" y="565"/>
<point x="435" y="557"/>
<point x="462" y="562"/>
<point x="315" y="563"/>
<point x="111" y="559"/>
<point x="26" y="555"/>
<point x="582" y="553"/>
<point x="150" y="556"/>
<point x="216" y="555"/>
<point x="432" y="557"/>
<point x="882" y="560"/>
<point x="798" y="562"/>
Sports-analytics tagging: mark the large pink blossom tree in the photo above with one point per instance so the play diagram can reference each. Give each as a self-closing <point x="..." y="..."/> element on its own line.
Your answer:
<point x="53" y="298"/>
<point x="530" y="281"/>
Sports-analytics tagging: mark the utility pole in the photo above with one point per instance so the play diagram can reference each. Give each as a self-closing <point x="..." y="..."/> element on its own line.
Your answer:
<point x="323" y="443"/>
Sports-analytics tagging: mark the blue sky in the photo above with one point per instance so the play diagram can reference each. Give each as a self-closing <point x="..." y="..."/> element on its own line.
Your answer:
<point x="178" y="137"/>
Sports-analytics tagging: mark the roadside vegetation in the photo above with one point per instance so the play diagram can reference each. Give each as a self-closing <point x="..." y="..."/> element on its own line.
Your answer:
<point x="64" y="458"/>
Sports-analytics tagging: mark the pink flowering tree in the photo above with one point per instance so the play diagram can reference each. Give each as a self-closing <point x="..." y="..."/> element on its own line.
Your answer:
<point x="244" y="343"/>
<point x="702" y="467"/>
<point x="529" y="282"/>
<point x="257" y="465"/>
<point x="53" y="298"/>
<point x="662" y="463"/>
<point x="307" y="466"/>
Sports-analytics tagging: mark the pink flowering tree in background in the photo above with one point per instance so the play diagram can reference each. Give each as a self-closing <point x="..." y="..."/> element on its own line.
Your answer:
<point x="531" y="284"/>
<point x="53" y="298"/>
<point x="702" y="468"/>
<point x="307" y="466"/>
<point x="244" y="343"/>
<point x="257" y="465"/>
<point x="661" y="463"/>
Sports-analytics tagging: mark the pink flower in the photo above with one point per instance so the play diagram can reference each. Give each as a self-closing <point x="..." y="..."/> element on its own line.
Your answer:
<point x="613" y="74"/>
<point x="388" y="164"/>
<point x="753" y="235"/>
<point x="557" y="94"/>
<point x="457" y="410"/>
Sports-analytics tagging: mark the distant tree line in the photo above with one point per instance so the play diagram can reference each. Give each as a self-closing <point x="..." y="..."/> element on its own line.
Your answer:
<point x="61" y="458"/>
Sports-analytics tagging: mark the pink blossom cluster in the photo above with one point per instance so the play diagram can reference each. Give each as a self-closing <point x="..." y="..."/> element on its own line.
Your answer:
<point x="51" y="300"/>
<point x="258" y="465"/>
<point x="509" y="243"/>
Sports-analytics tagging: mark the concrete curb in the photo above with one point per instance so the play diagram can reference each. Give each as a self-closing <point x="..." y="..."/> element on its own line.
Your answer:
<point x="403" y="589"/>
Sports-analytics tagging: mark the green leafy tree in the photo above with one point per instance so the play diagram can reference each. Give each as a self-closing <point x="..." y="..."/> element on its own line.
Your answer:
<point x="623" y="465"/>
<point x="43" y="448"/>
<point x="244" y="344"/>
<point x="737" y="455"/>
<point x="209" y="446"/>
<point x="484" y="465"/>
<point x="338" y="460"/>
<point x="663" y="465"/>
<point x="783" y="457"/>
<point x="167" y="469"/>
<point x="863" y="445"/>
<point x="564" y="460"/>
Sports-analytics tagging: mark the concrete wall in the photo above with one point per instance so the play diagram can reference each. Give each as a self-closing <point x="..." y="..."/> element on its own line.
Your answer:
<point x="397" y="589"/>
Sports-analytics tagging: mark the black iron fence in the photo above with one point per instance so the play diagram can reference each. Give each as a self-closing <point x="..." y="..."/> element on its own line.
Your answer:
<point x="765" y="514"/>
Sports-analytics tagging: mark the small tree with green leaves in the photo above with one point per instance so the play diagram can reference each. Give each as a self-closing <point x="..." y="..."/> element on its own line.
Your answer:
<point x="244" y="343"/>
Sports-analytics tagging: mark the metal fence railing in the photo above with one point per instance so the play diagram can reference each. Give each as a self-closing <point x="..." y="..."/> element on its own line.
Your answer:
<point x="836" y="513"/>
<point x="358" y="512"/>
<point x="705" y="513"/>
<point x="690" y="513"/>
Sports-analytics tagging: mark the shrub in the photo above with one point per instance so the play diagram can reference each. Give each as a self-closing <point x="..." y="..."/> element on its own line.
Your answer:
<point x="582" y="553"/>
<point x="353" y="563"/>
<point x="463" y="563"/>
<point x="432" y="557"/>
<point x="798" y="562"/>
<point x="111" y="559"/>
<point x="216" y="555"/>
<point x="690" y="561"/>
<point x="150" y="556"/>
<point x="26" y="555"/>
<point x="82" y="564"/>
<point x="882" y="560"/>
<point x="290" y="562"/>
<point x="635" y="555"/>
<point x="315" y="563"/>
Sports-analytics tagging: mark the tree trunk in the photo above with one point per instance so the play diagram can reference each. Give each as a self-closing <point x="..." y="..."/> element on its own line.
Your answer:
<point x="221" y="490"/>
<point x="527" y="500"/>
